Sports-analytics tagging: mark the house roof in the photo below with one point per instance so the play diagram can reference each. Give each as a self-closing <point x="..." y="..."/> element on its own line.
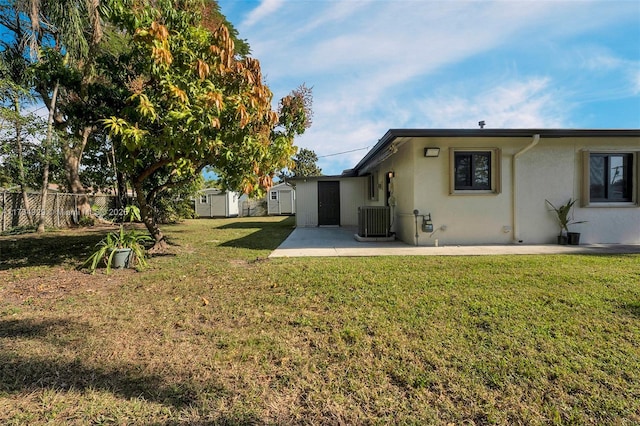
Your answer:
<point x="393" y="135"/>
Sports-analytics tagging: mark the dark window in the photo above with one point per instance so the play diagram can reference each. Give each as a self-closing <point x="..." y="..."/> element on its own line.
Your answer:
<point x="472" y="170"/>
<point x="373" y="187"/>
<point x="610" y="177"/>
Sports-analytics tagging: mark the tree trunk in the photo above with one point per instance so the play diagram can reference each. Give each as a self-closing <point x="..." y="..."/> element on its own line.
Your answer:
<point x="21" y="176"/>
<point x="120" y="183"/>
<point x="72" y="157"/>
<point x="146" y="212"/>
<point x="45" y="172"/>
<point x="122" y="199"/>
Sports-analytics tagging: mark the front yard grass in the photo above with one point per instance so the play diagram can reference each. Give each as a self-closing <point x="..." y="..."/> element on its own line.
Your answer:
<point x="215" y="333"/>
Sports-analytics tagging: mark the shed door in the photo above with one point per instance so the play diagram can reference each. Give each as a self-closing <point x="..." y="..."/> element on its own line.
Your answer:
<point x="329" y="203"/>
<point x="286" y="202"/>
<point x="218" y="205"/>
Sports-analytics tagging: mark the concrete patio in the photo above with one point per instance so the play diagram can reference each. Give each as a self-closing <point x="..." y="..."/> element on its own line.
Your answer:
<point x="340" y="241"/>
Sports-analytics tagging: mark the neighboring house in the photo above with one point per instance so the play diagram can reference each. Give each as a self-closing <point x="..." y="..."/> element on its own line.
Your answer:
<point x="486" y="186"/>
<point x="212" y="202"/>
<point x="281" y="199"/>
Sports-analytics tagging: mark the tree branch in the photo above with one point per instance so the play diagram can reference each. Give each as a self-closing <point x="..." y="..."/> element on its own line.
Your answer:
<point x="171" y="184"/>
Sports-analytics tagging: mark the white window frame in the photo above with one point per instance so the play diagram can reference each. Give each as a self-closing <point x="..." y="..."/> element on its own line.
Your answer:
<point x="203" y="199"/>
<point x="495" y="171"/>
<point x="274" y="196"/>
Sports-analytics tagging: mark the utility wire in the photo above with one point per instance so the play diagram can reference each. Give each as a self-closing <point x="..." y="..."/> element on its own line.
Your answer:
<point x="344" y="152"/>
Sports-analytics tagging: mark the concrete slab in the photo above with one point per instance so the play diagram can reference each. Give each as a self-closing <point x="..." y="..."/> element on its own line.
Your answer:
<point x="323" y="242"/>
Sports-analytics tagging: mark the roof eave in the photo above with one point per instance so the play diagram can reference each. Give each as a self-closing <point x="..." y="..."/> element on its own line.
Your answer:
<point x="392" y="134"/>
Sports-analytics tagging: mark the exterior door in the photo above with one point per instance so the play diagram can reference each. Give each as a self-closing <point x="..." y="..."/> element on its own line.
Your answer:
<point x="329" y="203"/>
<point x="286" y="202"/>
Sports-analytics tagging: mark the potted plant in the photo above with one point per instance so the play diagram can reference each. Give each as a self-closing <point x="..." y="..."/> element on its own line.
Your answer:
<point x="119" y="249"/>
<point x="565" y="218"/>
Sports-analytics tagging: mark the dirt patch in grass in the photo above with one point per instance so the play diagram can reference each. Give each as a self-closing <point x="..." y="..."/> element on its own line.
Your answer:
<point x="43" y="266"/>
<point x="56" y="283"/>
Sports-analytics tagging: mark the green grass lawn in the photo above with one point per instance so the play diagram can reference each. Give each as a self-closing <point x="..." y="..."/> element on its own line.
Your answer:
<point x="215" y="333"/>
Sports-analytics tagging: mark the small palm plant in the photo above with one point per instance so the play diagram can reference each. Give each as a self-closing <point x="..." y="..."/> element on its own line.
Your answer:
<point x="109" y="245"/>
<point x="564" y="215"/>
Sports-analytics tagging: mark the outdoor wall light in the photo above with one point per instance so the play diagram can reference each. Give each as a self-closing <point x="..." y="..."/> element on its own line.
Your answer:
<point x="391" y="174"/>
<point x="431" y="152"/>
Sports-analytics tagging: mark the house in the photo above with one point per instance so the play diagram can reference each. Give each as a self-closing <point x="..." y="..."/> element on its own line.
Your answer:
<point x="213" y="202"/>
<point x="281" y="199"/>
<point x="484" y="186"/>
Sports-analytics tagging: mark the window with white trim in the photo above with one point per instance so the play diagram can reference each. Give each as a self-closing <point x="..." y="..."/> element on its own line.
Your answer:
<point x="610" y="177"/>
<point x="203" y="199"/>
<point x="475" y="171"/>
<point x="274" y="195"/>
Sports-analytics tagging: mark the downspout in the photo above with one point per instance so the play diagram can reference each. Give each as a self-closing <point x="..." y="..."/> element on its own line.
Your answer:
<point x="514" y="187"/>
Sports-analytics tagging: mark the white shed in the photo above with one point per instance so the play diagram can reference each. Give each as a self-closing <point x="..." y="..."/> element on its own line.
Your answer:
<point x="281" y="199"/>
<point x="213" y="202"/>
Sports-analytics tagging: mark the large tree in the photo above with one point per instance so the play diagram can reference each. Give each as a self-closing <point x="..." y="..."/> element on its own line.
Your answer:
<point x="192" y="102"/>
<point x="305" y="164"/>
<point x="59" y="38"/>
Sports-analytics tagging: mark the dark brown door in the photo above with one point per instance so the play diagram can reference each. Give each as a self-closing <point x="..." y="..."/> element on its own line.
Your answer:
<point x="328" y="203"/>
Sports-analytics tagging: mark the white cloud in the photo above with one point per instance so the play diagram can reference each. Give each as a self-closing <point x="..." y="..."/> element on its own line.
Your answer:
<point x="266" y="8"/>
<point x="514" y="104"/>
<point x="376" y="65"/>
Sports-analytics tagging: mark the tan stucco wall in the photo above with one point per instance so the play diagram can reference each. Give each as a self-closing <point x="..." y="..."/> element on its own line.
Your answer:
<point x="551" y="170"/>
<point x="352" y="191"/>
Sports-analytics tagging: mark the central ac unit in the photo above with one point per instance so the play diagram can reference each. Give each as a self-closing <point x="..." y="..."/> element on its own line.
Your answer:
<point x="373" y="221"/>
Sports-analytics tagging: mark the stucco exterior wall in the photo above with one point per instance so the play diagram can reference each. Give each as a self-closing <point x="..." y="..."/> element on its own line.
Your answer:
<point x="551" y="170"/>
<point x="352" y="191"/>
<point x="402" y="188"/>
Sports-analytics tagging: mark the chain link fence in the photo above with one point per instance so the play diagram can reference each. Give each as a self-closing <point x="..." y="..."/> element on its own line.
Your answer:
<point x="61" y="209"/>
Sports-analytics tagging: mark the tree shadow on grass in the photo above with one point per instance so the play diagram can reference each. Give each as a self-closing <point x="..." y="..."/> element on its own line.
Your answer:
<point x="55" y="249"/>
<point x="632" y="308"/>
<point x="47" y="250"/>
<point x="268" y="235"/>
<point x="21" y="373"/>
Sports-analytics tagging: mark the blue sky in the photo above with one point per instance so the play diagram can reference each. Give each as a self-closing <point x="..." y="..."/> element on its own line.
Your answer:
<point x="376" y="65"/>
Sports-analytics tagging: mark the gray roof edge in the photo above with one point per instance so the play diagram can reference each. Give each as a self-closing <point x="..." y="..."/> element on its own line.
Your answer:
<point x="392" y="134"/>
<point x="346" y="173"/>
<point x="545" y="132"/>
